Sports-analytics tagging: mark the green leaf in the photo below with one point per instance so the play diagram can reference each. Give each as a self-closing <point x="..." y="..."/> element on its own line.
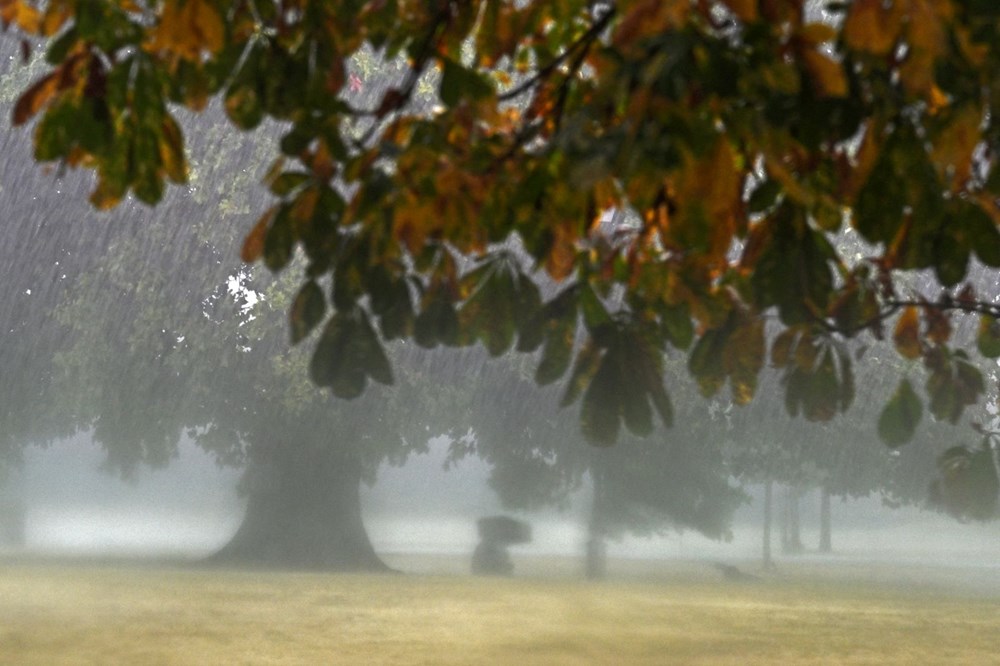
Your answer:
<point x="988" y="339"/>
<point x="982" y="234"/>
<point x="900" y="416"/>
<point x="764" y="196"/>
<point x="330" y="356"/>
<point x="557" y="353"/>
<point x="601" y="408"/>
<point x="437" y="324"/>
<point x="968" y="487"/>
<point x="243" y="107"/>
<point x="307" y="310"/>
<point x="594" y="313"/>
<point x="586" y="364"/>
<point x="376" y="363"/>
<point x="562" y="307"/>
<point x="289" y="181"/>
<point x="458" y="82"/>
<point x="677" y="325"/>
<point x="705" y="362"/>
<point x="279" y="242"/>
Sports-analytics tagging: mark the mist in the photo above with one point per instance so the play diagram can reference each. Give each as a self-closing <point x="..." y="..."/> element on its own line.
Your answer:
<point x="75" y="507"/>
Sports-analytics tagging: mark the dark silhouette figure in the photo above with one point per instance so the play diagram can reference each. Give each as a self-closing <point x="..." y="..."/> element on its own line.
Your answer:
<point x="496" y="534"/>
<point x="734" y="574"/>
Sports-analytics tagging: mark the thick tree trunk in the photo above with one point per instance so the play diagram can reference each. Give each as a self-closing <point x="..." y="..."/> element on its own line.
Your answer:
<point x="303" y="512"/>
<point x="596" y="564"/>
<point x="768" y="503"/>
<point x="825" y="543"/>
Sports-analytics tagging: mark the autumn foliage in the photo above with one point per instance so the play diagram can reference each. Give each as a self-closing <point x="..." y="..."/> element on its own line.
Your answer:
<point x="657" y="174"/>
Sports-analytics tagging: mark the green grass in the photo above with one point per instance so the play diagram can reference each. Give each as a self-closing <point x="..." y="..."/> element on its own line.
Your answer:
<point x="61" y="613"/>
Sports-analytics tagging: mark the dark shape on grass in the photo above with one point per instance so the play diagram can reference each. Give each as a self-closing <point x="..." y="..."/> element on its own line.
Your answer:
<point x="734" y="573"/>
<point x="496" y="533"/>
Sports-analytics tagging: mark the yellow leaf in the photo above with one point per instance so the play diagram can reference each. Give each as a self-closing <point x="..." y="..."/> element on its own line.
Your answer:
<point x="56" y="15"/>
<point x="871" y="27"/>
<point x="207" y="23"/>
<point x="104" y="197"/>
<point x="828" y="77"/>
<point x="926" y="41"/>
<point x="907" y="334"/>
<point x="28" y="18"/>
<point x="188" y="29"/>
<point x="936" y="100"/>
<point x="172" y="151"/>
<point x="814" y="34"/>
<point x="954" y="146"/>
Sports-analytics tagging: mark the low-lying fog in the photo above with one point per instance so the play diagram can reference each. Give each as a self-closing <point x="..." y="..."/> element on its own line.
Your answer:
<point x="191" y="508"/>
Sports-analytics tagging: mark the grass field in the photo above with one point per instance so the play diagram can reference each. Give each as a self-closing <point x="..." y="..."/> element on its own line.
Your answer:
<point x="61" y="613"/>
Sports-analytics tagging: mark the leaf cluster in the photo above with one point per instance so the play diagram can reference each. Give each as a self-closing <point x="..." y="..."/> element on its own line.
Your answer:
<point x="736" y="138"/>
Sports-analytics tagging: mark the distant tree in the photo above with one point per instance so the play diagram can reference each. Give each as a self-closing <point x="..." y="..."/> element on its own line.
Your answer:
<point x="839" y="458"/>
<point x="105" y="332"/>
<point x="155" y="352"/>
<point x="675" y="479"/>
<point x="741" y="135"/>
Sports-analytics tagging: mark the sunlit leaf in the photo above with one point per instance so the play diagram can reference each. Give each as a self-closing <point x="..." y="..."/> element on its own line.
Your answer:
<point x="907" y="334"/>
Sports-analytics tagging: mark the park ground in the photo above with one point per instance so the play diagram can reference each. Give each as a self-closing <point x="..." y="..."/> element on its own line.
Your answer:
<point x="673" y="612"/>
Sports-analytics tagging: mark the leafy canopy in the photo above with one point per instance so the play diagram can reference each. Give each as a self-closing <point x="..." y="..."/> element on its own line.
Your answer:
<point x="668" y="171"/>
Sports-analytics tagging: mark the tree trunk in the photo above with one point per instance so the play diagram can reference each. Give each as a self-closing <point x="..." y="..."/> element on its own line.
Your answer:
<point x="768" y="562"/>
<point x="825" y="544"/>
<point x="791" y="533"/>
<point x="303" y="512"/>
<point x="596" y="565"/>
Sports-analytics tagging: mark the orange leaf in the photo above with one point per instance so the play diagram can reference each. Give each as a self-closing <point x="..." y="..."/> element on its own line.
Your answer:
<point x="953" y="147"/>
<point x="562" y="256"/>
<point x="253" y="245"/>
<point x="814" y="34"/>
<point x="907" y="334"/>
<point x="189" y="28"/>
<point x="650" y="17"/>
<point x="871" y="27"/>
<point x="35" y="97"/>
<point x="828" y="77"/>
<point x="746" y="10"/>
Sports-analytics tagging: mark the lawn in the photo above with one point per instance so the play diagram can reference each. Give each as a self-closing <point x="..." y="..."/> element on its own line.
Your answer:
<point x="62" y="613"/>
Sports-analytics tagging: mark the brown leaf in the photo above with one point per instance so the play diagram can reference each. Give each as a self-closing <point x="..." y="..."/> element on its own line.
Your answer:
<point x="335" y="76"/>
<point x="562" y="256"/>
<point x="172" y="151"/>
<point x="253" y="245"/>
<point x="907" y="334"/>
<point x="828" y="78"/>
<point x="938" y="325"/>
<point x="746" y="10"/>
<point x="650" y="17"/>
<point x="872" y="27"/>
<point x="35" y="97"/>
